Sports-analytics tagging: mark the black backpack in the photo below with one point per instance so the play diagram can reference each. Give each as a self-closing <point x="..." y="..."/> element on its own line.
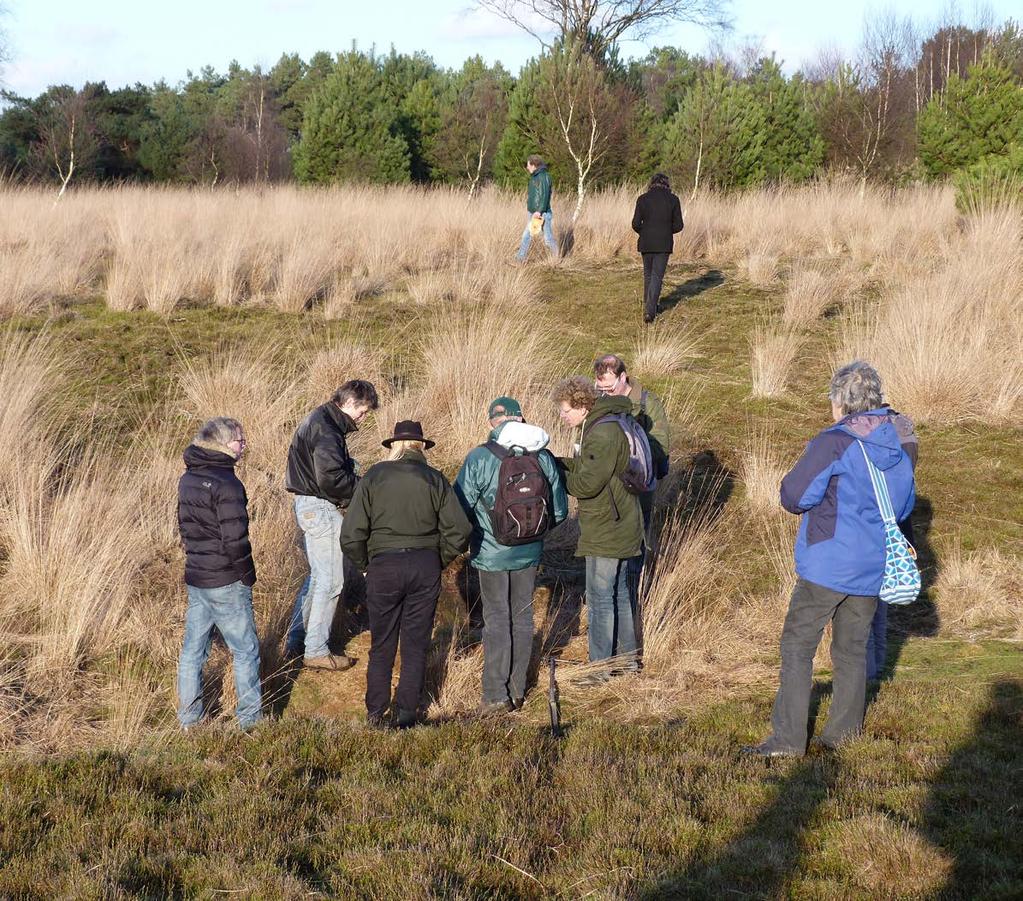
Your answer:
<point x="522" y="504"/>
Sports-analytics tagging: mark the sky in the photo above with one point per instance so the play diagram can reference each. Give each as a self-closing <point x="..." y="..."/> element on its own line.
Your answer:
<point x="125" y="41"/>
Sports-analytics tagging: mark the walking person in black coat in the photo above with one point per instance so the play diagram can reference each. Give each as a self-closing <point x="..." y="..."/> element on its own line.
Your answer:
<point x="219" y="572"/>
<point x="658" y="216"/>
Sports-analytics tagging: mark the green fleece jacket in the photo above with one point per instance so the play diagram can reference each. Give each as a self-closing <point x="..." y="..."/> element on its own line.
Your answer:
<point x="476" y="487"/>
<point x="610" y="521"/>
<point x="403" y="503"/>
<point x="538" y="198"/>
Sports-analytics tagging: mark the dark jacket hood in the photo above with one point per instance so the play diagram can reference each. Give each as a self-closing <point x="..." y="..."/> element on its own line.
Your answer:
<point x="200" y="455"/>
<point x="882" y="432"/>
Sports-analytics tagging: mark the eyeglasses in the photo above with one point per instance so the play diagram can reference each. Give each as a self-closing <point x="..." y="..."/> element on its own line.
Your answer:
<point x="241" y="442"/>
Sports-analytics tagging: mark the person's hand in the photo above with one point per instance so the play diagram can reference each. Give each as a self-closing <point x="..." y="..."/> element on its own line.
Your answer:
<point x="538" y="215"/>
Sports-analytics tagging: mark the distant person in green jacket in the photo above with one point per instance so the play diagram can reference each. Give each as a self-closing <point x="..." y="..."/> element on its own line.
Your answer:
<point x="538" y="205"/>
<point x="512" y="490"/>
<point x="403" y="526"/>
<point x="610" y="520"/>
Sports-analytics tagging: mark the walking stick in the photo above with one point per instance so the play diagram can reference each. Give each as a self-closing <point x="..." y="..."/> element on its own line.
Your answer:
<point x="553" y="700"/>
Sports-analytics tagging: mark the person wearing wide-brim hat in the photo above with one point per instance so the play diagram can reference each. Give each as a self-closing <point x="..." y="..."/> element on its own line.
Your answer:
<point x="404" y="525"/>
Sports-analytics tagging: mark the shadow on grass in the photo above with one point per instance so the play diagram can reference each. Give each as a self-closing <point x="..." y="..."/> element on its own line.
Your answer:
<point x="973" y="808"/>
<point x="759" y="861"/>
<point x="691" y="288"/>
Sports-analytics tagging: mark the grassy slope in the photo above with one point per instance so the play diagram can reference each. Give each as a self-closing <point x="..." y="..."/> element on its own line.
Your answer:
<point x="923" y="801"/>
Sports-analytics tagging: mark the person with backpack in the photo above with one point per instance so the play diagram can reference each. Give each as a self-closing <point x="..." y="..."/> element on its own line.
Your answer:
<point x="656" y="219"/>
<point x="851" y="487"/>
<point x="213" y="521"/>
<point x="611" y="467"/>
<point x="538" y="207"/>
<point x="611" y="378"/>
<point x="403" y="526"/>
<point x="513" y="493"/>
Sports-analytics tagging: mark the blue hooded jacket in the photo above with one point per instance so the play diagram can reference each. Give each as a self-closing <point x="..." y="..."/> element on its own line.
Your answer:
<point x="841" y="536"/>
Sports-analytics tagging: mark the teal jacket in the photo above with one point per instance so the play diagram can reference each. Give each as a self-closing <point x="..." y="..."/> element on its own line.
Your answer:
<point x="476" y="488"/>
<point x="538" y="198"/>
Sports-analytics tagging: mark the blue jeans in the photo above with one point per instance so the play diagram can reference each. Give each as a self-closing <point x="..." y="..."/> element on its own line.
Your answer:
<point x="610" y="626"/>
<point x="877" y="642"/>
<point x="229" y="609"/>
<point x="548" y="236"/>
<point x="311" y="619"/>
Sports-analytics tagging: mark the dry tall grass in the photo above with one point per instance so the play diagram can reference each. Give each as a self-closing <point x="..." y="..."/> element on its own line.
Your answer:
<point x="90" y="598"/>
<point x="772" y="352"/>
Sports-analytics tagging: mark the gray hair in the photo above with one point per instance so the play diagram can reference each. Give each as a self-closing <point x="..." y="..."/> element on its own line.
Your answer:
<point x="219" y="430"/>
<point x="856" y="388"/>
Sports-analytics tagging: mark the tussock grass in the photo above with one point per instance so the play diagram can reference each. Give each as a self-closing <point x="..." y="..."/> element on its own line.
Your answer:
<point x="772" y="353"/>
<point x="664" y="350"/>
<point x="761" y="470"/>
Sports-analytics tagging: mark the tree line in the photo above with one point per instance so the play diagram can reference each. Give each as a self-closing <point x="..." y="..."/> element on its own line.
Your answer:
<point x="901" y="108"/>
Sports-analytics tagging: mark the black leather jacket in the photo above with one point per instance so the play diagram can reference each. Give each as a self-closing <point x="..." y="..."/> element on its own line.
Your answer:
<point x="318" y="461"/>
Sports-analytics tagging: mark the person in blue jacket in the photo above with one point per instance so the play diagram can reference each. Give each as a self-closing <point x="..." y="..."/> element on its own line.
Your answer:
<point x="840" y="557"/>
<point x="507" y="573"/>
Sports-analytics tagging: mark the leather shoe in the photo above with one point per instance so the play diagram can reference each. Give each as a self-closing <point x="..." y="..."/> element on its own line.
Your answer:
<point x="767" y="751"/>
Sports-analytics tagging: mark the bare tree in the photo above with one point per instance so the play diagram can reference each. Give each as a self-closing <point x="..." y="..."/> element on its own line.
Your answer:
<point x="597" y="25"/>
<point x="67" y="142"/>
<point x="865" y="106"/>
<point x="587" y="112"/>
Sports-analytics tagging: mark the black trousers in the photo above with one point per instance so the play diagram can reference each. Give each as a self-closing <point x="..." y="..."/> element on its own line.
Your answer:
<point x="654" y="266"/>
<point x="401" y="596"/>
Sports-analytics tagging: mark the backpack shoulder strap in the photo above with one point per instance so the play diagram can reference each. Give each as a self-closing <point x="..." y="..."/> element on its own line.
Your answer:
<point x="610" y="417"/>
<point x="497" y="450"/>
<point x="642" y="402"/>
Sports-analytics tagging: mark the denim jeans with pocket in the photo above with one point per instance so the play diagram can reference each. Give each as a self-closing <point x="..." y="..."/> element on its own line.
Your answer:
<point x="313" y="614"/>
<point x="229" y="610"/>
<point x="611" y="610"/>
<point x="548" y="236"/>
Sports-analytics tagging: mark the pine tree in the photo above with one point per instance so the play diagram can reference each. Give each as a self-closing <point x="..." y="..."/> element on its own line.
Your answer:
<point x="351" y="129"/>
<point x="793" y="149"/>
<point x="976" y="117"/>
<point x="717" y="137"/>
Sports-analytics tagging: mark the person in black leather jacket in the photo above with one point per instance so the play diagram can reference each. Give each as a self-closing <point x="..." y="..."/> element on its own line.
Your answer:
<point x="322" y="476"/>
<point x="213" y="521"/>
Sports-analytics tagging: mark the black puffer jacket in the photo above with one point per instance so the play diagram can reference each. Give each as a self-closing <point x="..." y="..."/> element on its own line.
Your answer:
<point x="658" y="216"/>
<point x="214" y="520"/>
<point x="318" y="461"/>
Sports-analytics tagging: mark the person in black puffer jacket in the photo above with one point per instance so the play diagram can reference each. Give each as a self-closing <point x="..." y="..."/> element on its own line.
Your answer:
<point x="657" y="218"/>
<point x="219" y="571"/>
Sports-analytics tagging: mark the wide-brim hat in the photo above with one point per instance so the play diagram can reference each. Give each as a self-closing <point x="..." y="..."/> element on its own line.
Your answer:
<point x="408" y="430"/>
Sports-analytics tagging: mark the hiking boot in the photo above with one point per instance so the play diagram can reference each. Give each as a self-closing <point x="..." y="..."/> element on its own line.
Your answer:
<point x="593" y="680"/>
<point x="379" y="721"/>
<point x="336" y="662"/>
<point x="820" y="746"/>
<point x="517" y="704"/>
<point x="768" y="751"/>
<point x="494" y="708"/>
<point x="405" y="719"/>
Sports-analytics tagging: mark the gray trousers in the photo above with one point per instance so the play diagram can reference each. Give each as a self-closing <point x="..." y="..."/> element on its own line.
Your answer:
<point x="507" y="632"/>
<point x="811" y="608"/>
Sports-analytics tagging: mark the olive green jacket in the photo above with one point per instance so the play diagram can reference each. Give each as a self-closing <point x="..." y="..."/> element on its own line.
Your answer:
<point x="403" y="503"/>
<point x="610" y="521"/>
